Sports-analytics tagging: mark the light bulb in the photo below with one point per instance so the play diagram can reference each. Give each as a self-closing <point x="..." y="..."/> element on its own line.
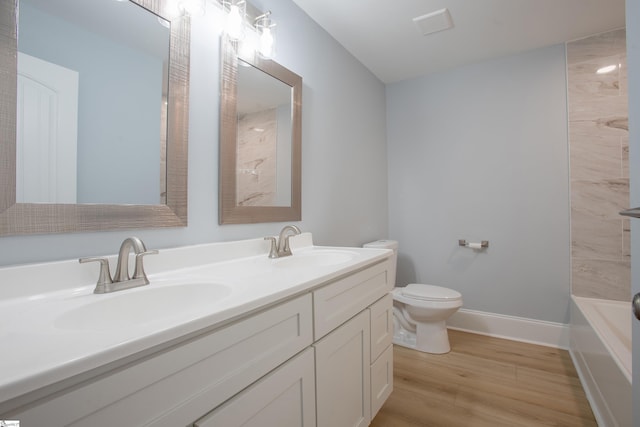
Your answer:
<point x="193" y="7"/>
<point x="247" y="48"/>
<point x="173" y="9"/>
<point x="234" y="23"/>
<point x="266" y="43"/>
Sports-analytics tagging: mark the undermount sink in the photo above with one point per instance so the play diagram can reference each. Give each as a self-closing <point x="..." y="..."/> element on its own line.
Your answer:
<point x="144" y="305"/>
<point x="316" y="258"/>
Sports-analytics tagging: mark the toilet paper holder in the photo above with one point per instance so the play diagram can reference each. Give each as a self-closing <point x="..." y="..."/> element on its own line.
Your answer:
<point x="483" y="244"/>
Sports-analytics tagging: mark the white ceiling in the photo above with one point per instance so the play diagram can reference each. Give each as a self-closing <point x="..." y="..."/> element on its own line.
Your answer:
<point x="382" y="35"/>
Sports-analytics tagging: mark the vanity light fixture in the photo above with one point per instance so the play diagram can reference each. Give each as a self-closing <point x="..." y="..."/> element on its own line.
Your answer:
<point x="173" y="9"/>
<point x="192" y="7"/>
<point x="235" y="18"/>
<point x="265" y="25"/>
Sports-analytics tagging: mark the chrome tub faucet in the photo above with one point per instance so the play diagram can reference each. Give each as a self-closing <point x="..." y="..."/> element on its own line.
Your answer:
<point x="121" y="280"/>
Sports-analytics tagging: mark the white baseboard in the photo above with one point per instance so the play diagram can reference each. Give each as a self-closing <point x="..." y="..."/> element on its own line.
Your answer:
<point x="532" y="331"/>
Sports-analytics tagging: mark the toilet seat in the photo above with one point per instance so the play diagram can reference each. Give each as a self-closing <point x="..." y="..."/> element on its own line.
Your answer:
<point x="426" y="299"/>
<point x="430" y="293"/>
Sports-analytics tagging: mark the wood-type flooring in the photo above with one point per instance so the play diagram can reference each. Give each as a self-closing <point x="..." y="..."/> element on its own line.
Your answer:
<point x="485" y="381"/>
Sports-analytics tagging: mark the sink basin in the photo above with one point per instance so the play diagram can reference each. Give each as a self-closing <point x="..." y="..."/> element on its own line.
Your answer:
<point x="316" y="258"/>
<point x="144" y="305"/>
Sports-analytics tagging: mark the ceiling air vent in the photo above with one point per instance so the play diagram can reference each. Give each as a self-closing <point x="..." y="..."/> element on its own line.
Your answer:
<point x="433" y="22"/>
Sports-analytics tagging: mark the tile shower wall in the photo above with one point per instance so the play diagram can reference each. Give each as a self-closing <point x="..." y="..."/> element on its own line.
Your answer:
<point x="256" y="166"/>
<point x="599" y="158"/>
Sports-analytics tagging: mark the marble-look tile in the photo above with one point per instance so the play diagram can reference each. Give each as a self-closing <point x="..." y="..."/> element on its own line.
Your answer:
<point x="256" y="158"/>
<point x="626" y="238"/>
<point x="594" y="128"/>
<point x="585" y="82"/>
<point x="593" y="237"/>
<point x="611" y="111"/>
<point x="624" y="75"/>
<point x="598" y="127"/>
<point x="600" y="199"/>
<point x="600" y="45"/>
<point x="251" y="192"/>
<point x="593" y="155"/>
<point x="163" y="151"/>
<point x="601" y="279"/>
<point x="624" y="147"/>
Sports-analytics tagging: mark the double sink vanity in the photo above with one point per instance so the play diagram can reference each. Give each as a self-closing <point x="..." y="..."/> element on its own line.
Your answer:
<point x="223" y="335"/>
<point x="253" y="332"/>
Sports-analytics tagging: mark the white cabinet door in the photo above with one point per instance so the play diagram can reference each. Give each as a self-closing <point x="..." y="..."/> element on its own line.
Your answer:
<point x="284" y="398"/>
<point x="343" y="390"/>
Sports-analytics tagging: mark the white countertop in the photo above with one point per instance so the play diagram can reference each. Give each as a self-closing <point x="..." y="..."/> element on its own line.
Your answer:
<point x="43" y="343"/>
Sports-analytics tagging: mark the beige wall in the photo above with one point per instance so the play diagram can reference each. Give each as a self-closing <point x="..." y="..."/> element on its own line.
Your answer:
<point x="599" y="158"/>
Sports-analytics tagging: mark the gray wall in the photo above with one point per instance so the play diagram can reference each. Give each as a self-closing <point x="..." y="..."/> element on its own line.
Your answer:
<point x="344" y="182"/>
<point x="480" y="153"/>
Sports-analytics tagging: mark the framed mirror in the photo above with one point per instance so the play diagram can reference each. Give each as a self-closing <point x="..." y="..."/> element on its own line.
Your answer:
<point x="260" y="139"/>
<point x="93" y="115"/>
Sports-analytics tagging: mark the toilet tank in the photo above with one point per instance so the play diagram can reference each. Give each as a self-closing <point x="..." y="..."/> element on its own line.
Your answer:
<point x="387" y="244"/>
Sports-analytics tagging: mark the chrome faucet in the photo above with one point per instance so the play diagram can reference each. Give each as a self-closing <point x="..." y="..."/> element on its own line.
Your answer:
<point x="282" y="247"/>
<point x="121" y="279"/>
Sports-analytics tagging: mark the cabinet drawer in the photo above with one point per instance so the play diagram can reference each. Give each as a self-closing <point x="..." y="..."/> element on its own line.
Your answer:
<point x="381" y="380"/>
<point x="337" y="302"/>
<point x="381" y="325"/>
<point x="284" y="398"/>
<point x="175" y="386"/>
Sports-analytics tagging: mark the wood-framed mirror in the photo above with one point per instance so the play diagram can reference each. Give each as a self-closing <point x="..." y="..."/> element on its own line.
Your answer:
<point x="129" y="188"/>
<point x="260" y="139"/>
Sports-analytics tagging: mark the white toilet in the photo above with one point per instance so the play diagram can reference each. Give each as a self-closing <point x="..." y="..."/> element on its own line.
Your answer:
<point x="420" y="311"/>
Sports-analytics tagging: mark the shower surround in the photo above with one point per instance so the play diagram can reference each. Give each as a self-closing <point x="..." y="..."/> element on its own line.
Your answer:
<point x="599" y="174"/>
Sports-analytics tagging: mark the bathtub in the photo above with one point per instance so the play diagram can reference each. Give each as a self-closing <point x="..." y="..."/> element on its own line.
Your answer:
<point x="600" y="346"/>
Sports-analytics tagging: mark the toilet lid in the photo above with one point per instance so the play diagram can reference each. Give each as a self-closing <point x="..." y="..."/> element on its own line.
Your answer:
<point x="430" y="292"/>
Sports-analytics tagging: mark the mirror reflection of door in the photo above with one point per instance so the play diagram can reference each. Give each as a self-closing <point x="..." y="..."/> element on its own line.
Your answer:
<point x="119" y="51"/>
<point x="46" y="132"/>
<point x="264" y="108"/>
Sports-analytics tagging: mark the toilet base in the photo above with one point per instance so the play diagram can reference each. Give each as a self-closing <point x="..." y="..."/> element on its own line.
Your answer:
<point x="428" y="338"/>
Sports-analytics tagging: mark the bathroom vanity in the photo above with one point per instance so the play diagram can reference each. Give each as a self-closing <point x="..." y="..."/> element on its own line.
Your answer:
<point x="223" y="336"/>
